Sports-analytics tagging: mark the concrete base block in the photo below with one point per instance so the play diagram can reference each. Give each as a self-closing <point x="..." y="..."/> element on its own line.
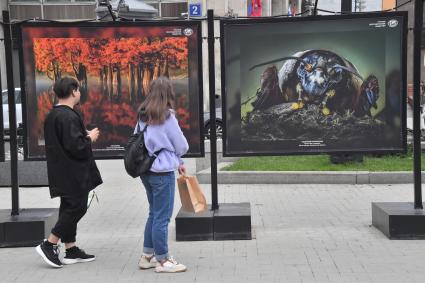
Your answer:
<point x="28" y="228"/>
<point x="232" y="221"/>
<point x="399" y="220"/>
<point x="194" y="226"/>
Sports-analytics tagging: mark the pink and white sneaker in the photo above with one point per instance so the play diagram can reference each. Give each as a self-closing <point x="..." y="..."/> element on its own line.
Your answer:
<point x="170" y="266"/>
<point x="147" y="261"/>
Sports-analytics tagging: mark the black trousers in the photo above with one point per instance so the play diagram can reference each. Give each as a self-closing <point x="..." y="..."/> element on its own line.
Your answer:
<point x="71" y="210"/>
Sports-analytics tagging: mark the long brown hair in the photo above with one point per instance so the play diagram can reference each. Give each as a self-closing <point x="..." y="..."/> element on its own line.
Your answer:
<point x="159" y="102"/>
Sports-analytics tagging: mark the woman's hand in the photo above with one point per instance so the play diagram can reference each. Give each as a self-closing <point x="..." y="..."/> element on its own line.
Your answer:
<point x="182" y="170"/>
<point x="93" y="134"/>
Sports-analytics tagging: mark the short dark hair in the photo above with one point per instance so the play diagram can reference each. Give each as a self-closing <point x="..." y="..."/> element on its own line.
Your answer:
<point x="64" y="87"/>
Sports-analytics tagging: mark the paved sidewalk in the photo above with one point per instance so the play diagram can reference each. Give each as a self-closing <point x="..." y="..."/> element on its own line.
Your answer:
<point x="302" y="233"/>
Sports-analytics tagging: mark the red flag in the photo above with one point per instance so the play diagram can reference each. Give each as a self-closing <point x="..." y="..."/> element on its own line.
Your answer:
<point x="257" y="8"/>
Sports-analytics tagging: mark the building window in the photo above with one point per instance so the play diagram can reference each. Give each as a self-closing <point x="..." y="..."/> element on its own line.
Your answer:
<point x="49" y="1"/>
<point x="169" y="8"/>
<point x="67" y="1"/>
<point x="173" y="9"/>
<point x="52" y="9"/>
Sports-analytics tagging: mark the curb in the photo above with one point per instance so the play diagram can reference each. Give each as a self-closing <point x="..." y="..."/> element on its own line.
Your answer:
<point x="307" y="177"/>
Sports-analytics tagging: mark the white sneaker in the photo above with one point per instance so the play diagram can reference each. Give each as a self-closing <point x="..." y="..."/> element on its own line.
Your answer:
<point x="147" y="262"/>
<point x="170" y="266"/>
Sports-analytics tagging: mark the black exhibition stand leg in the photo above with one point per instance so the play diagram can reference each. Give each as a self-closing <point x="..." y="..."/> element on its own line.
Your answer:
<point x="213" y="135"/>
<point x="399" y="220"/>
<point x="230" y="221"/>
<point x="12" y="114"/>
<point x="417" y="102"/>
<point x="346" y="6"/>
<point x="26" y="227"/>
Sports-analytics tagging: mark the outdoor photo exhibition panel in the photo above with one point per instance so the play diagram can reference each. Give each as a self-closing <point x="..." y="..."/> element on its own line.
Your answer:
<point x="324" y="84"/>
<point x="4" y="100"/>
<point x="114" y="64"/>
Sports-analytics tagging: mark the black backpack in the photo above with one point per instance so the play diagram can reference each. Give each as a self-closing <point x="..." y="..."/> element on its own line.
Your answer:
<point x="136" y="157"/>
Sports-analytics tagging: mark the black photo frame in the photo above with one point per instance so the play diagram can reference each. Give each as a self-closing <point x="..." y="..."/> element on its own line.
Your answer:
<point x="234" y="46"/>
<point x="2" y="150"/>
<point x="178" y="28"/>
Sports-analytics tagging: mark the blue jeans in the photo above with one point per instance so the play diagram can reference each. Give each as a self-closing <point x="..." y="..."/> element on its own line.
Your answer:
<point x="160" y="192"/>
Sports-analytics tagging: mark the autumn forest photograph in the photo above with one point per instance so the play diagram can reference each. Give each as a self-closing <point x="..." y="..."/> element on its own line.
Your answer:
<point x="114" y="67"/>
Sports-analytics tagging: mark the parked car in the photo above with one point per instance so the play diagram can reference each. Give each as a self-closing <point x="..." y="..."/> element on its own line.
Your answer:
<point x="18" y="102"/>
<point x="218" y="120"/>
<point x="218" y="124"/>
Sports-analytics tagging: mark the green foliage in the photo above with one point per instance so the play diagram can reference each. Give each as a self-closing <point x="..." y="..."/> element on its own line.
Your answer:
<point x="391" y="162"/>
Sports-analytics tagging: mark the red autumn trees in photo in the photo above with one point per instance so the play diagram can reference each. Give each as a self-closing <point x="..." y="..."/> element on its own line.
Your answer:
<point x="139" y="60"/>
<point x="114" y="75"/>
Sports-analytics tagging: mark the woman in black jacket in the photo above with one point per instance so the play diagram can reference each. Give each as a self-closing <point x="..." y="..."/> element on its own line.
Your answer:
<point x="72" y="172"/>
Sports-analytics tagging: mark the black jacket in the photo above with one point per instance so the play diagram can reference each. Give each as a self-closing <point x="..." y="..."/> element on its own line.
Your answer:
<point x="71" y="168"/>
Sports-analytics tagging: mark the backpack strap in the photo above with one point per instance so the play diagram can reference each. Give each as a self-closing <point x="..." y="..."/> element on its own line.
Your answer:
<point x="138" y="127"/>
<point x="156" y="153"/>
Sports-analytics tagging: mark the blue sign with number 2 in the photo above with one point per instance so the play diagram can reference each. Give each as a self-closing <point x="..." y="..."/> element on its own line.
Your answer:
<point x="195" y="10"/>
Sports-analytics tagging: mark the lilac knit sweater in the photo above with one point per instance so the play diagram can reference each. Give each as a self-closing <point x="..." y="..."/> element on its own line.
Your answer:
<point x="169" y="137"/>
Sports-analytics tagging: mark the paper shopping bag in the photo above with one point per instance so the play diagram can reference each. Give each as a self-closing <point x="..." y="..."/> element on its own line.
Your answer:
<point x="191" y="196"/>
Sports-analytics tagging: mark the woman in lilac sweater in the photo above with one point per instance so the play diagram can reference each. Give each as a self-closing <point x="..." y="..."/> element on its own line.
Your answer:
<point x="162" y="134"/>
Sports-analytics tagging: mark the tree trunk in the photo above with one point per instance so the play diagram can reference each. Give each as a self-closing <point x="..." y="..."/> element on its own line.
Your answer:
<point x="82" y="80"/>
<point x="119" y="90"/>
<point x="164" y="69"/>
<point x="131" y="83"/>
<point x="156" y="70"/>
<point x="56" y="71"/>
<point x="50" y="72"/>
<point x="110" y="82"/>
<point x="139" y="82"/>
<point x="114" y="83"/>
<point x="137" y="78"/>
<point x="147" y="77"/>
<point x="105" y="81"/>
<point x="101" y="80"/>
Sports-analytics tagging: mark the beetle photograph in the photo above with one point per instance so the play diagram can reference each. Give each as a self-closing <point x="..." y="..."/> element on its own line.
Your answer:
<point x="306" y="86"/>
<point x="318" y="77"/>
